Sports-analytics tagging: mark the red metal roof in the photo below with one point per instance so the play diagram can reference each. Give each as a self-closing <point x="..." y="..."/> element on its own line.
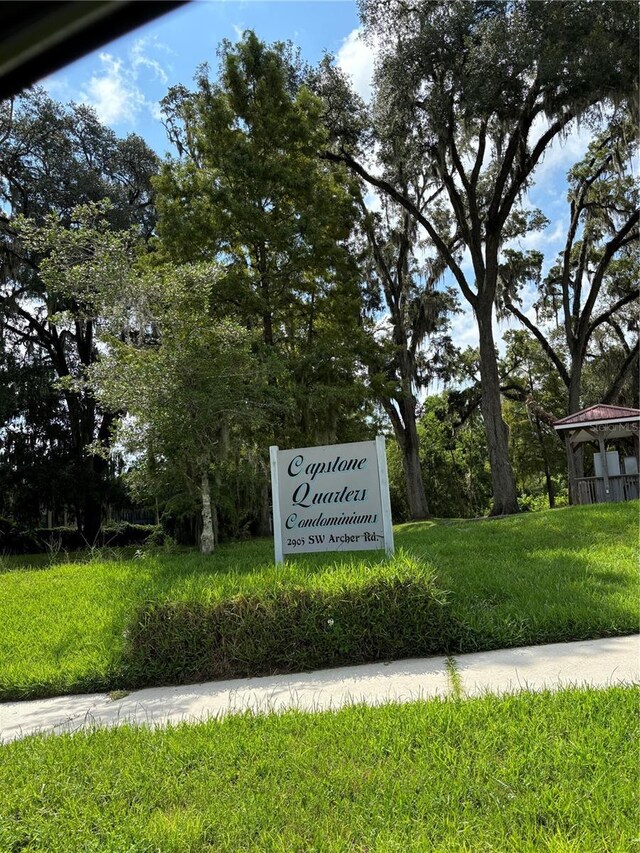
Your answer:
<point x="600" y="412"/>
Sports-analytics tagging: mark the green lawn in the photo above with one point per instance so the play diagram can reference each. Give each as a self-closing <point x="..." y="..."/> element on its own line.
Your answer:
<point x="530" y="772"/>
<point x="567" y="574"/>
<point x="544" y="577"/>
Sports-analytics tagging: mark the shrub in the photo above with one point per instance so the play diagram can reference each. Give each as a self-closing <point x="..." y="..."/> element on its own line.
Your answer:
<point x="14" y="540"/>
<point x="397" y="612"/>
<point x="124" y="534"/>
<point x="540" y="503"/>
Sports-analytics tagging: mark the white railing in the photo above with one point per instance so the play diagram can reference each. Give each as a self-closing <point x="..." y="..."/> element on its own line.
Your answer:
<point x="591" y="490"/>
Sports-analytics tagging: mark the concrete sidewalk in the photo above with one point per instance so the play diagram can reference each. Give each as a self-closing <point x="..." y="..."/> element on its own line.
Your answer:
<point x="598" y="663"/>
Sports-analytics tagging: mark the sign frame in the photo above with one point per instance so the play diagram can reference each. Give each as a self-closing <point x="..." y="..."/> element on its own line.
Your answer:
<point x="382" y="482"/>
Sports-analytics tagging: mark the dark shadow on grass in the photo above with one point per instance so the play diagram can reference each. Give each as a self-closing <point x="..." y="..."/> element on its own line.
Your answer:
<point x="287" y="629"/>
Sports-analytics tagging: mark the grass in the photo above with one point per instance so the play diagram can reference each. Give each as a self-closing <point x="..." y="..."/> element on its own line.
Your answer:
<point x="529" y="772"/>
<point x="394" y="611"/>
<point x="566" y="574"/>
<point x="544" y="577"/>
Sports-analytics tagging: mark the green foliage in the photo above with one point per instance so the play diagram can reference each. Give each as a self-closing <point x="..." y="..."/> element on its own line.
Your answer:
<point x="536" y="451"/>
<point x="468" y="97"/>
<point x="517" y="774"/>
<point x="535" y="398"/>
<point x="56" y="156"/>
<point x="586" y="311"/>
<point x="55" y="162"/>
<point x="245" y="328"/>
<point x="84" y="264"/>
<point x="456" y="460"/>
<point x="15" y="540"/>
<point x="183" y="390"/>
<point x="453" y="458"/>
<point x="276" y="218"/>
<point x="36" y="464"/>
<point x="611" y="371"/>
<point x="539" y="502"/>
<point x="408" y="348"/>
<point x="61" y="540"/>
<point x="194" y="388"/>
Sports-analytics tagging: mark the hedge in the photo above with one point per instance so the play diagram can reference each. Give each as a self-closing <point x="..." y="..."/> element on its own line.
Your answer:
<point x="397" y="613"/>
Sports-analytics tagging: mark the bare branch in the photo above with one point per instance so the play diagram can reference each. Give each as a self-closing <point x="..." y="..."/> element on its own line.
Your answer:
<point x="542" y="340"/>
<point x="619" y="378"/>
<point x="393" y="193"/>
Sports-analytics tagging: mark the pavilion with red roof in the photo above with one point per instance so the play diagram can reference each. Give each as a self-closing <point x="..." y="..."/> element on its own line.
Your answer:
<point x="615" y="431"/>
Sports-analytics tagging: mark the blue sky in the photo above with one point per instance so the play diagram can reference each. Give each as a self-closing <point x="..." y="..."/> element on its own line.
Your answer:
<point x="125" y="80"/>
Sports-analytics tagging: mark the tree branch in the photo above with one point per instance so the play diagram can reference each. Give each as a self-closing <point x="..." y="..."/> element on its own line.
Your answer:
<point x="396" y="421"/>
<point x="544" y="343"/>
<point x="616" y="384"/>
<point x="610" y="249"/>
<point x="624" y="300"/>
<point x="495" y="211"/>
<point x="390" y="190"/>
<point x="620" y="334"/>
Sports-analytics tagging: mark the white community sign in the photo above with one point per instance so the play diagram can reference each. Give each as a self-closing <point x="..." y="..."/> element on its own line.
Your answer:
<point x="331" y="498"/>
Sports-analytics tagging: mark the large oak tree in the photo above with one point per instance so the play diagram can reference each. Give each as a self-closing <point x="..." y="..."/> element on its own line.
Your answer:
<point x="594" y="282"/>
<point x="472" y="94"/>
<point x="52" y="159"/>
<point x="411" y="347"/>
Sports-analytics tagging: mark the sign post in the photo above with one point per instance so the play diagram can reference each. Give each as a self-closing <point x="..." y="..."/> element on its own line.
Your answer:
<point x="331" y="498"/>
<point x="277" y="539"/>
<point x="383" y="478"/>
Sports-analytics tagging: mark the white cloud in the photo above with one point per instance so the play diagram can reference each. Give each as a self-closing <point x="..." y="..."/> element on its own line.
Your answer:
<point x="139" y="59"/>
<point x="115" y="92"/>
<point x="155" y="109"/>
<point x="549" y="241"/>
<point x="549" y="190"/>
<point x="372" y="200"/>
<point x="464" y="329"/>
<point x="562" y="153"/>
<point x="57" y="87"/>
<point x="356" y="59"/>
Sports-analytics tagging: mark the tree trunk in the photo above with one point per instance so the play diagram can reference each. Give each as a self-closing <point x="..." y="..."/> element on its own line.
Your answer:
<point x="207" y="538"/>
<point x="545" y="459"/>
<point x="550" y="492"/>
<point x="91" y="519"/>
<point x="416" y="497"/>
<point x="91" y="501"/>
<point x="575" y="387"/>
<point x="264" y="519"/>
<point x="418" y="507"/>
<point x="502" y="479"/>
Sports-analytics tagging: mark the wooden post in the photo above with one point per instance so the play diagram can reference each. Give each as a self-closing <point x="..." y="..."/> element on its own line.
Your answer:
<point x="573" y="486"/>
<point x="605" y="469"/>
